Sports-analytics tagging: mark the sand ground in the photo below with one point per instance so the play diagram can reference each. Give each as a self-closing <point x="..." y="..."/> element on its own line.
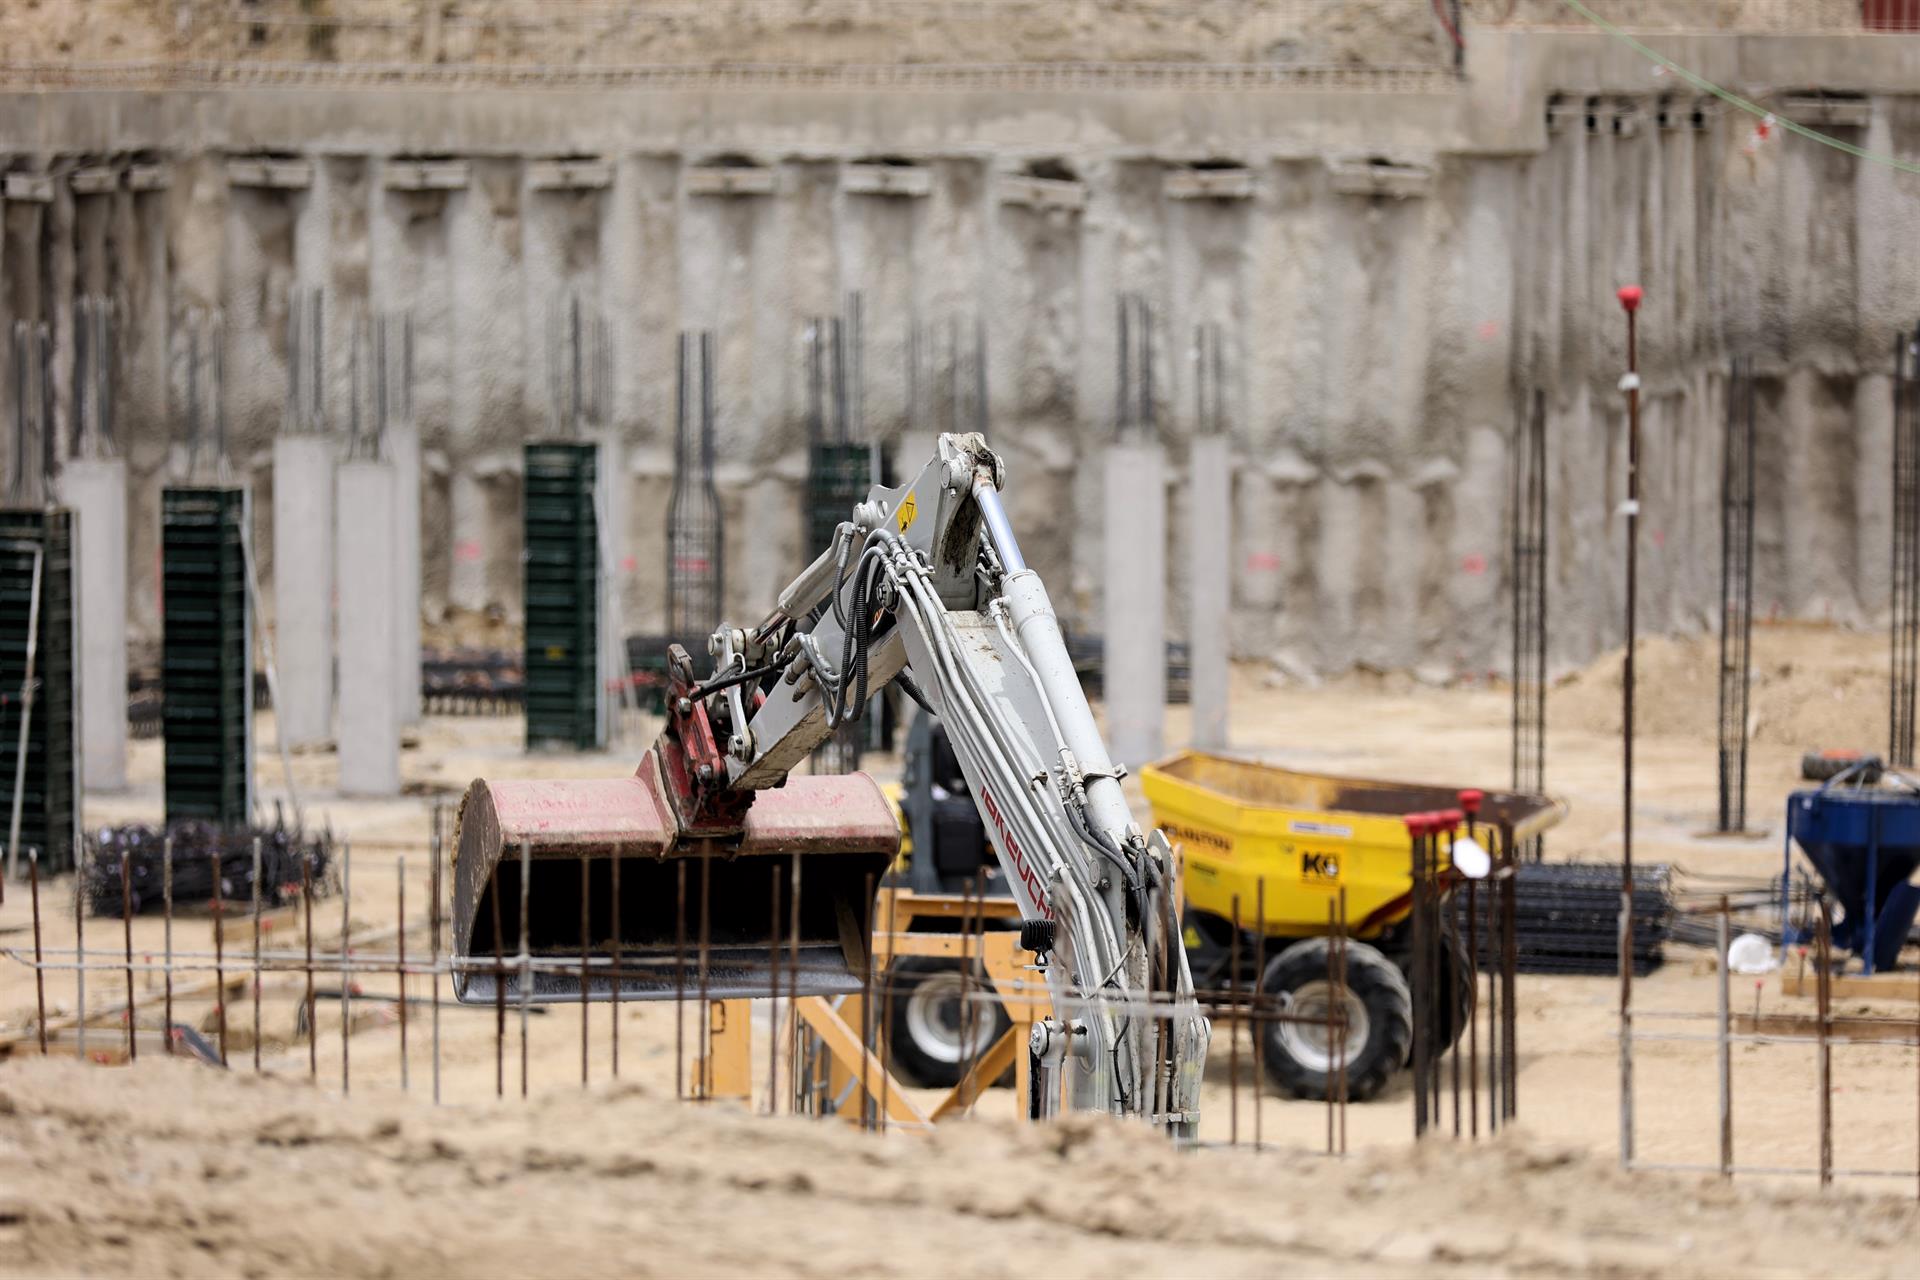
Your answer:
<point x="176" y="1169"/>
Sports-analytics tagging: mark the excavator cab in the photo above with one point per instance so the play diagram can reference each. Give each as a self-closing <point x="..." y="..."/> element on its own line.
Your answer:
<point x="618" y="896"/>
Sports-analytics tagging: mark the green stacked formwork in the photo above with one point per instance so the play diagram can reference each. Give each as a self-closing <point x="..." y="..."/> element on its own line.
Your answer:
<point x="49" y="800"/>
<point x="839" y="476"/>
<point x="206" y="659"/>
<point x="562" y="567"/>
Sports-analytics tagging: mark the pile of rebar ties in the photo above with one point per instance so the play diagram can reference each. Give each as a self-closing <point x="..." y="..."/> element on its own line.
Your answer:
<point x="200" y="852"/>
<point x="1567" y="917"/>
<point x="473" y="682"/>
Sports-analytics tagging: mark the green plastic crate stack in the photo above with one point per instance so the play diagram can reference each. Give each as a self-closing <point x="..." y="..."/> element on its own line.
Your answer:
<point x="562" y="566"/>
<point x="838" y="477"/>
<point x="206" y="659"/>
<point x="49" y="798"/>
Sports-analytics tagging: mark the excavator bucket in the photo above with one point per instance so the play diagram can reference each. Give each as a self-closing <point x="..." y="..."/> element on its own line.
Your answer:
<point x="783" y="904"/>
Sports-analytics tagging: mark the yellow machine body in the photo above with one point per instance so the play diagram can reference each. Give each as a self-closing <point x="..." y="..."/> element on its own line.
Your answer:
<point x="1252" y="831"/>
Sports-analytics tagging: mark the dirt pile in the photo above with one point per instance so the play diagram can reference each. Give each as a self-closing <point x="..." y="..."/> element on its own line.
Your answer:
<point x="1812" y="687"/>
<point x="169" y="1168"/>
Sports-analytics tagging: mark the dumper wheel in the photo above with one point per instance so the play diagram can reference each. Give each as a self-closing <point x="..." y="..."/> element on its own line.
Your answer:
<point x="924" y="1000"/>
<point x="1818" y="766"/>
<point x="1379" y="1015"/>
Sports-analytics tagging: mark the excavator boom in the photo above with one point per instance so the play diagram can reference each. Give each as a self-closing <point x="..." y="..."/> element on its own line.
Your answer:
<point x="924" y="584"/>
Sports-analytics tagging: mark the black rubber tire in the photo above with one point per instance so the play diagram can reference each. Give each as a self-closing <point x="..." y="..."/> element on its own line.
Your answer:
<point x="919" y="994"/>
<point x="1818" y="766"/>
<point x="1377" y="983"/>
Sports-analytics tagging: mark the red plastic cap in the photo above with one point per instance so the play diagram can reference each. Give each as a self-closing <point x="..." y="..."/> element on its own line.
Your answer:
<point x="1419" y="823"/>
<point x="1629" y="296"/>
<point x="1470" y="799"/>
<point x="1450" y="819"/>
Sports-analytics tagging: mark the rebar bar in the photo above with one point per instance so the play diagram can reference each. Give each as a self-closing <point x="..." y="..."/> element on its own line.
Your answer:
<point x="256" y="954"/>
<point x="219" y="955"/>
<point x="433" y="937"/>
<point x="346" y="977"/>
<point x="39" y="958"/>
<point x="126" y="925"/>
<point x="1724" y="1050"/>
<point x="306" y="900"/>
<point x="400" y="960"/>
<point x="586" y="951"/>
<point x="1630" y="302"/>
<point x="1905" y="575"/>
<point x="1736" y="593"/>
<point x="526" y="956"/>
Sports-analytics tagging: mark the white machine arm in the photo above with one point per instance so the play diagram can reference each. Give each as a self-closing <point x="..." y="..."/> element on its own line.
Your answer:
<point x="926" y="583"/>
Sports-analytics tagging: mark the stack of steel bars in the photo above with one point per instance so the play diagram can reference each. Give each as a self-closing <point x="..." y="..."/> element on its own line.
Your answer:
<point x="1567" y="917"/>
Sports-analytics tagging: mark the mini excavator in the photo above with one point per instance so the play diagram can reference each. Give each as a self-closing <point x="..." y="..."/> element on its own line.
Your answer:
<point x="713" y="848"/>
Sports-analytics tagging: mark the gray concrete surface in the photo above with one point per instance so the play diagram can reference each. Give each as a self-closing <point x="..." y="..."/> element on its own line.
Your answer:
<point x="369" y="728"/>
<point x="303" y="550"/>
<point x="96" y="490"/>
<point x="1386" y="335"/>
<point x="1134" y="666"/>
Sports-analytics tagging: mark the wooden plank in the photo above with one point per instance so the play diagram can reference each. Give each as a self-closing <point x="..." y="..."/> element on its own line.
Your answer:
<point x="1807" y="1026"/>
<point x="843" y="1043"/>
<point x="1857" y="986"/>
<point x="987" y="1068"/>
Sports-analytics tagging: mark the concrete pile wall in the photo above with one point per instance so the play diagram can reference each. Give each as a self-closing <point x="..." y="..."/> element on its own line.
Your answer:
<point x="1381" y="319"/>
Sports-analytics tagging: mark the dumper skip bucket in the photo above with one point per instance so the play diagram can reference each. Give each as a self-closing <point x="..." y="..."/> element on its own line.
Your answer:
<point x="609" y="886"/>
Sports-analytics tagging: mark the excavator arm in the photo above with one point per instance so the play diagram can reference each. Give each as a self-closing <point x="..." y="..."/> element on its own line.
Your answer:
<point x="924" y="584"/>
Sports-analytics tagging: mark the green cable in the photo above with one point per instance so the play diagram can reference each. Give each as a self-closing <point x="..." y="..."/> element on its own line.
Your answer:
<point x="1753" y="108"/>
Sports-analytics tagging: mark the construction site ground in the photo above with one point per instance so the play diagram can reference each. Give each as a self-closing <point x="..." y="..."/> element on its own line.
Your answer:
<point x="172" y="1168"/>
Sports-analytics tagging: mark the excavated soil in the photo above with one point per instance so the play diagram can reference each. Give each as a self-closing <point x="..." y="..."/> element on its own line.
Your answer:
<point x="172" y="1170"/>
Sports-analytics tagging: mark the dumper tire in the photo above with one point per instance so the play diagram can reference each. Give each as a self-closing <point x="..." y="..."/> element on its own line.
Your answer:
<point x="1298" y="1056"/>
<point x="1818" y="766"/>
<point x="920" y="997"/>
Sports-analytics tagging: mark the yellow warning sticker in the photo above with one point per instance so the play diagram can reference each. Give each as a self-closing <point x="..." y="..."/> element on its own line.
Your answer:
<point x="908" y="510"/>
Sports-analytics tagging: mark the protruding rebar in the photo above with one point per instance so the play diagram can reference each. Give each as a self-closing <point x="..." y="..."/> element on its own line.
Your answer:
<point x="613" y="977"/>
<point x="433" y="937"/>
<point x="166" y="899"/>
<point x="219" y="951"/>
<point x="256" y="955"/>
<point x="126" y="926"/>
<point x="400" y="960"/>
<point x="526" y="955"/>
<point x="39" y="959"/>
<point x="346" y="975"/>
<point x="586" y="951"/>
<point x="1233" y="1028"/>
<point x="313" y="1012"/>
<point x="1724" y="1046"/>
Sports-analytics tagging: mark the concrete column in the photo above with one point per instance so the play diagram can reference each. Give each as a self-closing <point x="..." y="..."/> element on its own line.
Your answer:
<point x="1209" y="579"/>
<point x="97" y="492"/>
<point x="303" y="586"/>
<point x="369" y="734"/>
<point x="403" y="452"/>
<point x="1135" y="662"/>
